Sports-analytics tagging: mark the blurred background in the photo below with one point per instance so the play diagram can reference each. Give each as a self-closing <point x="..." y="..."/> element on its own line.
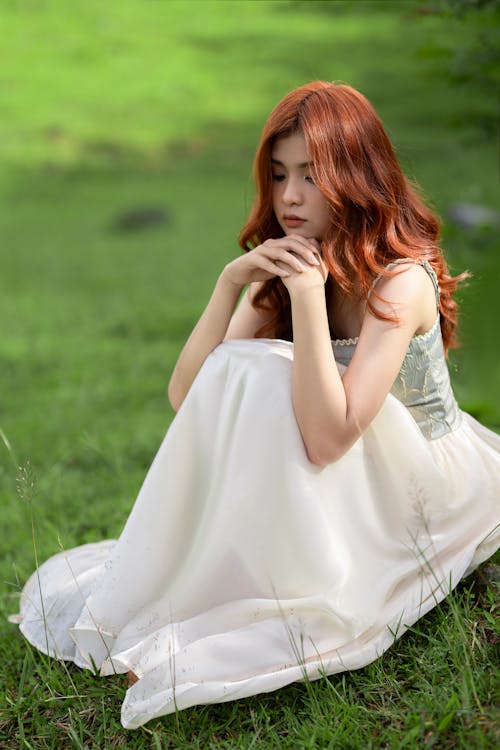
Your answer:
<point x="127" y="132"/>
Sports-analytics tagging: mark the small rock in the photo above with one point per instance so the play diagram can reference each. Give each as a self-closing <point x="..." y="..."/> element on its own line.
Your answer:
<point x="140" y="218"/>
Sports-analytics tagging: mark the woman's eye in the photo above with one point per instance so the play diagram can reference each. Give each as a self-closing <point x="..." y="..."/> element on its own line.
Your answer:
<point x="278" y="177"/>
<point x="308" y="178"/>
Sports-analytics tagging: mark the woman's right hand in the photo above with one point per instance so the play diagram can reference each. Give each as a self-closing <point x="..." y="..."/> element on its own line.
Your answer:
<point x="275" y="257"/>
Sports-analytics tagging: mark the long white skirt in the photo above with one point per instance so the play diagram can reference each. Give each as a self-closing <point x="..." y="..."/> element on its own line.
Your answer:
<point x="243" y="567"/>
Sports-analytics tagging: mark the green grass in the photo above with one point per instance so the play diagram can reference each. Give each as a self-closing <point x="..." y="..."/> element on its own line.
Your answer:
<point x="106" y="107"/>
<point x="434" y="689"/>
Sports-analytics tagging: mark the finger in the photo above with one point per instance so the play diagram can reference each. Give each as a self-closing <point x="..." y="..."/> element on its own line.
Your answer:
<point x="277" y="269"/>
<point x="316" y="247"/>
<point x="302" y="259"/>
<point x="292" y="259"/>
<point x="283" y="270"/>
<point x="315" y="242"/>
<point x="295" y="239"/>
<point x="307" y="242"/>
<point x="275" y="253"/>
<point x="304" y="248"/>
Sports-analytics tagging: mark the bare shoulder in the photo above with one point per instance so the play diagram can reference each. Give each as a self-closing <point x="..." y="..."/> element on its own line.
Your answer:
<point x="408" y="293"/>
<point x="410" y="282"/>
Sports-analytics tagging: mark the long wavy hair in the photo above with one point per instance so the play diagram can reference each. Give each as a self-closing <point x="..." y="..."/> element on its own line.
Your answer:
<point x="377" y="214"/>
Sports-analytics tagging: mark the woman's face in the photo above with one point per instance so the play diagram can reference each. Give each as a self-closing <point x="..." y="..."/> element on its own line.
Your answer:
<point x="299" y="206"/>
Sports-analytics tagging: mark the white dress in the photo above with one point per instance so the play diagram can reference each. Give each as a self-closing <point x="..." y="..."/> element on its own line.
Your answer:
<point x="243" y="567"/>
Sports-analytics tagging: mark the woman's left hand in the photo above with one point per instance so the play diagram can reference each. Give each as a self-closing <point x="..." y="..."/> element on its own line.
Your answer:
<point x="312" y="276"/>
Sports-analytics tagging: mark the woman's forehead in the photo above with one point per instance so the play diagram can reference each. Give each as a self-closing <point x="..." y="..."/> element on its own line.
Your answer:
<point x="290" y="150"/>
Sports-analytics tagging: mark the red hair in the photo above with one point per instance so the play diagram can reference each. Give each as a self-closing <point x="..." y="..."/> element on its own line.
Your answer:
<point x="377" y="215"/>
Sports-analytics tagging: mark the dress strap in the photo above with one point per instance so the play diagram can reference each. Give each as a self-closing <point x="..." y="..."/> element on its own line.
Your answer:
<point x="425" y="264"/>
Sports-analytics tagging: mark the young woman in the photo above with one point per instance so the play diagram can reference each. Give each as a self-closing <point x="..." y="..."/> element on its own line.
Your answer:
<point x="319" y="489"/>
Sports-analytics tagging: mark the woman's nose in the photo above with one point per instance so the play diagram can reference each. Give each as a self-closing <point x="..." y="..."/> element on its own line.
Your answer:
<point x="292" y="193"/>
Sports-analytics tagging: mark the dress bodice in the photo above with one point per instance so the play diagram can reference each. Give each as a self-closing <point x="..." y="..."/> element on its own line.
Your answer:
<point x="423" y="382"/>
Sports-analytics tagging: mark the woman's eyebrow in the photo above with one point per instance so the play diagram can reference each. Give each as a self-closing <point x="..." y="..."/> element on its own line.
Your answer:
<point x="302" y="165"/>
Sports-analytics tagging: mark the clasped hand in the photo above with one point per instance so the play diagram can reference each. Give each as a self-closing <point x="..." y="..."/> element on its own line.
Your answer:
<point x="294" y="259"/>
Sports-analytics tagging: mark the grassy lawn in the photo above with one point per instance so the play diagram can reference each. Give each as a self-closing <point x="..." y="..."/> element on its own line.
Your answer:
<point x="112" y="107"/>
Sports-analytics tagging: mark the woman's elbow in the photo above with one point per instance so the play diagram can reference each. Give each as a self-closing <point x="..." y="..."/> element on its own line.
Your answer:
<point x="322" y="455"/>
<point x="324" y="450"/>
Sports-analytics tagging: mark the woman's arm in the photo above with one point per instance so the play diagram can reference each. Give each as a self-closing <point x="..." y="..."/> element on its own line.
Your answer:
<point x="333" y="411"/>
<point x="215" y="324"/>
<point x="206" y="335"/>
<point x="247" y="320"/>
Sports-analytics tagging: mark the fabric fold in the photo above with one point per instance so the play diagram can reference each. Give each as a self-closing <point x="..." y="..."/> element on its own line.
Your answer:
<point x="243" y="567"/>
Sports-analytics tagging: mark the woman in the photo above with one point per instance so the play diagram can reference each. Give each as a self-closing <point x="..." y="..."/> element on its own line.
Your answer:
<point x="311" y="500"/>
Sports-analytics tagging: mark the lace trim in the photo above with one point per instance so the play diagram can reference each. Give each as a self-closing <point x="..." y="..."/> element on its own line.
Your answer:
<point x="427" y="334"/>
<point x="418" y="336"/>
<point x="345" y="342"/>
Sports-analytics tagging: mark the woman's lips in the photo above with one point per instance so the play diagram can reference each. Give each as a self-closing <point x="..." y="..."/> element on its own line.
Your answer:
<point x="293" y="221"/>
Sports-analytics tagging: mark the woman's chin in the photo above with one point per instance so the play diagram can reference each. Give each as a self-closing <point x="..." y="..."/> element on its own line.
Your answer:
<point x="303" y="231"/>
<point x="300" y="231"/>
